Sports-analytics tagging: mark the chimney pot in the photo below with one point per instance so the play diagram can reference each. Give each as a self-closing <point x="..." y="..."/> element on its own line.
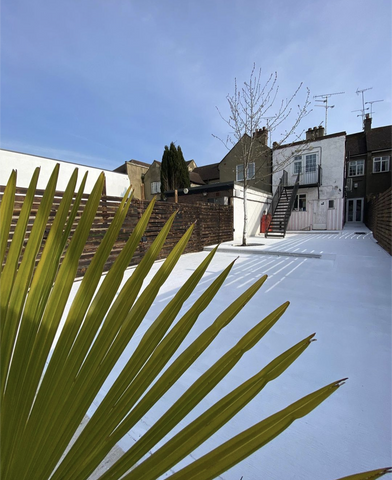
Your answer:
<point x="310" y="134"/>
<point x="321" y="131"/>
<point x="262" y="135"/>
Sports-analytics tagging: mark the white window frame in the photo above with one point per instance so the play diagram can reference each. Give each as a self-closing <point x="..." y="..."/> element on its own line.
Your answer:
<point x="239" y="173"/>
<point x="250" y="172"/>
<point x="307" y="163"/>
<point x="331" y="207"/>
<point x="297" y="201"/>
<point x="297" y="163"/>
<point x="155" y="188"/>
<point x="381" y="161"/>
<point x="310" y="162"/>
<point x="358" y="165"/>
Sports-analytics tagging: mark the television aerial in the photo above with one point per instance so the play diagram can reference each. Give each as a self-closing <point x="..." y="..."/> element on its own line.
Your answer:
<point x="371" y="106"/>
<point x="324" y="99"/>
<point x="363" y="110"/>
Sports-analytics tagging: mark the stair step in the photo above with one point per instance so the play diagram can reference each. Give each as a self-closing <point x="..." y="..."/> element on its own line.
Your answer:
<point x="281" y="215"/>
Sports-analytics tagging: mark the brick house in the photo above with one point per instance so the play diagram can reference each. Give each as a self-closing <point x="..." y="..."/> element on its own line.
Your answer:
<point x="367" y="169"/>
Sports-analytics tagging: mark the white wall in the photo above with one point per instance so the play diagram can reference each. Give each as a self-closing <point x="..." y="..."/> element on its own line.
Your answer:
<point x="116" y="183"/>
<point x="331" y="153"/>
<point x="257" y="202"/>
<point x="305" y="220"/>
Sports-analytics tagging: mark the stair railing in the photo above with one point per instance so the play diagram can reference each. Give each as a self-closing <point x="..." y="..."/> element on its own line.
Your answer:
<point x="278" y="194"/>
<point x="290" y="206"/>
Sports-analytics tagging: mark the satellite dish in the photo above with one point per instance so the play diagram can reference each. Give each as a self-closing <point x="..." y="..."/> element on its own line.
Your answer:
<point x="186" y="191"/>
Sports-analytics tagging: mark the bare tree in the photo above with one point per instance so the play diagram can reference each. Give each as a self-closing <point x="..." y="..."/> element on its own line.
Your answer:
<point x="250" y="107"/>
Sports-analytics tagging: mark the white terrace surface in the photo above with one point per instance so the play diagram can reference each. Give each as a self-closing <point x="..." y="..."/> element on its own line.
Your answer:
<point x="345" y="297"/>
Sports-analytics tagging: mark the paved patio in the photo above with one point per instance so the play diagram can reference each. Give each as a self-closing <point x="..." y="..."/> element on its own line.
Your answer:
<point x="344" y="295"/>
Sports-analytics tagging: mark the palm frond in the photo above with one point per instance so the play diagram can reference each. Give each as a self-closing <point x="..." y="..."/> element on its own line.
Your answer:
<point x="58" y="348"/>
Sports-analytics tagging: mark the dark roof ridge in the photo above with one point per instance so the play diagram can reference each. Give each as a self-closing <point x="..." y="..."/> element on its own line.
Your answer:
<point x="207" y="166"/>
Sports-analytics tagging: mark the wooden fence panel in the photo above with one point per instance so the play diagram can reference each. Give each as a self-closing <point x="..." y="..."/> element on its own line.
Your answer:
<point x="379" y="219"/>
<point x="213" y="224"/>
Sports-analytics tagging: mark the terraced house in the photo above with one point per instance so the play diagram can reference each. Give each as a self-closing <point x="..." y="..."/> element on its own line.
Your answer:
<point x="368" y="168"/>
<point x="308" y="185"/>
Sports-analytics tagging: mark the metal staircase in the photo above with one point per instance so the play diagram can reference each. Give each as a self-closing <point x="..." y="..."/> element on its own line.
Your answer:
<point x="281" y="207"/>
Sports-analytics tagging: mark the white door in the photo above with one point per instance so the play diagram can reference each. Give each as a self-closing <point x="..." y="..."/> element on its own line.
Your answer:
<point x="354" y="209"/>
<point x="320" y="208"/>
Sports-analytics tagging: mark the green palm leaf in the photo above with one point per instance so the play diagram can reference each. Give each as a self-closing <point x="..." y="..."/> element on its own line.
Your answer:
<point x="371" y="475"/>
<point x="55" y="359"/>
<point x="6" y="210"/>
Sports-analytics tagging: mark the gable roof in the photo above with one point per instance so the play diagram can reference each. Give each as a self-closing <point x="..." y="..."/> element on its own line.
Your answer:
<point x="195" y="178"/>
<point x="244" y="135"/>
<point x="208" y="172"/>
<point x="121" y="169"/>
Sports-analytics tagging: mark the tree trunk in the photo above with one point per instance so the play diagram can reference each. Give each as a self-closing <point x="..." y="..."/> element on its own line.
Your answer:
<point x="245" y="213"/>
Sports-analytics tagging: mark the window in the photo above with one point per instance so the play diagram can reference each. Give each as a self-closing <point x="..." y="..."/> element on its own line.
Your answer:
<point x="300" y="202"/>
<point x="297" y="165"/>
<point x="356" y="167"/>
<point x="311" y="162"/>
<point x="251" y="171"/>
<point x="331" y="203"/>
<point x="239" y="172"/>
<point x="380" y="164"/>
<point x="155" y="187"/>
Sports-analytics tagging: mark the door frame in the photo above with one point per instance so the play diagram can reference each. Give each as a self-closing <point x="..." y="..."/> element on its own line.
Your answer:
<point x="362" y="199"/>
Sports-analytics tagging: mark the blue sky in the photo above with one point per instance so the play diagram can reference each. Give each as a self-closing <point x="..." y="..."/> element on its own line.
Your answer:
<point x="99" y="82"/>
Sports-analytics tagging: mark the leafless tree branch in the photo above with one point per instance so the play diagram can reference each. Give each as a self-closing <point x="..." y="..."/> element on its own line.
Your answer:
<point x="248" y="107"/>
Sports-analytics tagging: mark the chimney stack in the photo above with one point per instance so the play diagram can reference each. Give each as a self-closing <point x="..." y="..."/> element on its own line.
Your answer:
<point x="321" y="131"/>
<point x="262" y="135"/>
<point x="367" y="123"/>
<point x="316" y="132"/>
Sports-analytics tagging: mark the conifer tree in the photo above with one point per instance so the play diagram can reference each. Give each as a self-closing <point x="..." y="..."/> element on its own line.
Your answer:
<point x="174" y="172"/>
<point x="183" y="172"/>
